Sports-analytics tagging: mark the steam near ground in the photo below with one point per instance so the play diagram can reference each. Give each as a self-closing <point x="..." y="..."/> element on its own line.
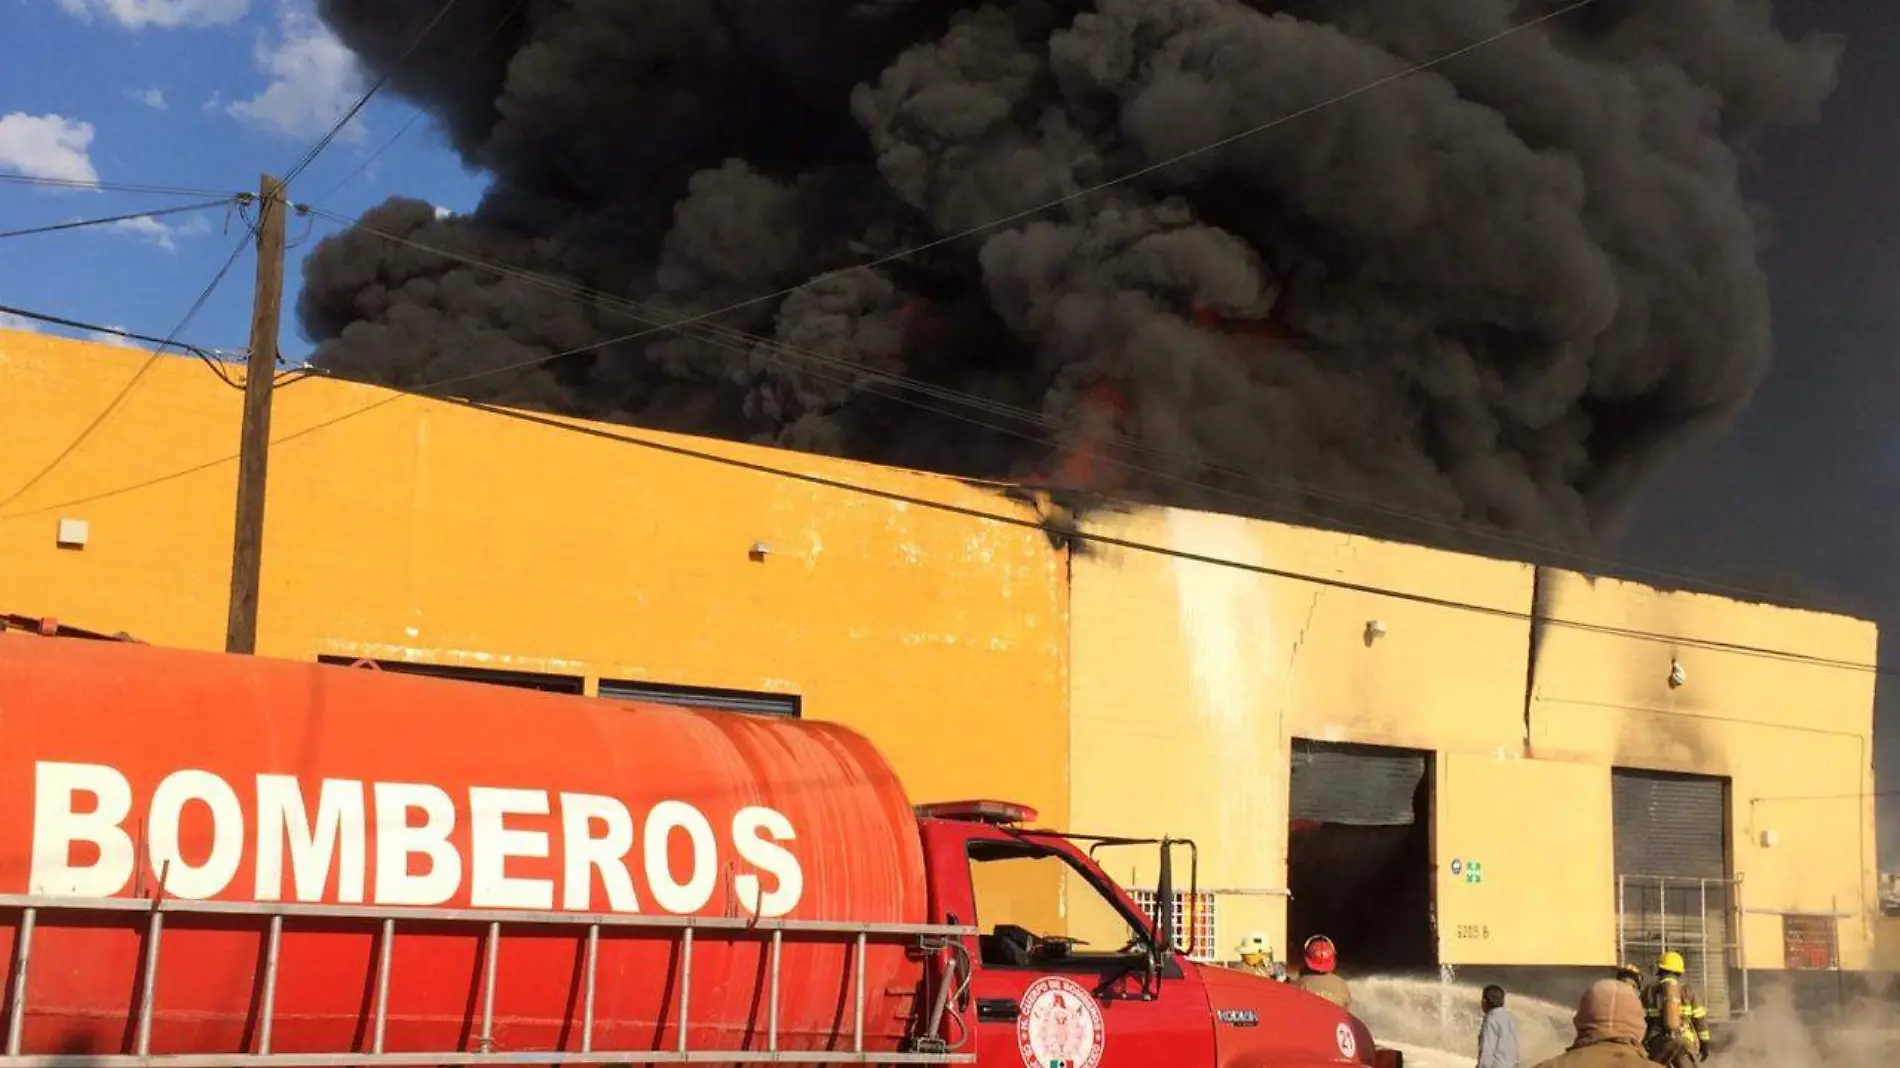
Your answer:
<point x="1436" y="1025"/>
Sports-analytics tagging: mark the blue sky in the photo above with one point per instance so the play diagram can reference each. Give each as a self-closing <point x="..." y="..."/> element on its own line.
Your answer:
<point x="197" y="93"/>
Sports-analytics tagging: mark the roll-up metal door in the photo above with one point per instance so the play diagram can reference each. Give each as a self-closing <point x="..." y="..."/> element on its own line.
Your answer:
<point x="1673" y="886"/>
<point x="1357" y="785"/>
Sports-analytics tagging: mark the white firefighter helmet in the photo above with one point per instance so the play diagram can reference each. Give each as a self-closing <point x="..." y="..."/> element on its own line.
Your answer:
<point x="1255" y="945"/>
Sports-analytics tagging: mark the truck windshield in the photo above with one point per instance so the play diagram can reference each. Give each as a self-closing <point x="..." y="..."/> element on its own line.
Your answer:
<point x="1037" y="909"/>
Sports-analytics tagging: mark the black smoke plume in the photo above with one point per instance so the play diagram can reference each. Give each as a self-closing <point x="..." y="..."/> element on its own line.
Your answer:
<point x="1497" y="292"/>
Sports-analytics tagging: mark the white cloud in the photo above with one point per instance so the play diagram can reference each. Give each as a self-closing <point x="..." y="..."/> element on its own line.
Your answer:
<point x="46" y="146"/>
<point x="10" y="321"/>
<point x="444" y="213"/>
<point x="165" y="14"/>
<point x="153" y="98"/>
<point x="164" y="235"/>
<point x="314" y="80"/>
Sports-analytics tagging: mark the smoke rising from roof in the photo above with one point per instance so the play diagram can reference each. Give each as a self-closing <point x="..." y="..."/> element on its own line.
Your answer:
<point x="1499" y="291"/>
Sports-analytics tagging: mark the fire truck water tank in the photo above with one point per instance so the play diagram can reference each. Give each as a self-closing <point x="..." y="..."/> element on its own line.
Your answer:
<point x="130" y="772"/>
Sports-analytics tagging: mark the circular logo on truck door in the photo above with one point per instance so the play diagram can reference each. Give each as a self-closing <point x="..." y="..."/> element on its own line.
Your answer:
<point x="1348" y="1045"/>
<point x="1059" y="1025"/>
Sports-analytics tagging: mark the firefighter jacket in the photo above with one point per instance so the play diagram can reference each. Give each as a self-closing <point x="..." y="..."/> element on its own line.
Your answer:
<point x="1609" y="1030"/>
<point x="1327" y="985"/>
<point x="1674" y="1012"/>
<point x="1613" y="1053"/>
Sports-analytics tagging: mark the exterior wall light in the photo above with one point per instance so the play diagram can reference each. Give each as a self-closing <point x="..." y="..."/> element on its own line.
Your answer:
<point x="1375" y="630"/>
<point x="73" y="533"/>
<point x="759" y="551"/>
<point x="1678" y="678"/>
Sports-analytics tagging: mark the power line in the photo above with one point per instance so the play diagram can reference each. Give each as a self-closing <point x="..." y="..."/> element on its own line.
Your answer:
<point x="118" y="187"/>
<point x="482" y="46"/>
<point x="96" y="328"/>
<point x="108" y="220"/>
<point x="150" y="361"/>
<point x="1071" y="532"/>
<point x="1068" y="532"/>
<point x="647" y="314"/>
<point x="1139" y="172"/>
<point x="679" y="324"/>
<point x="375" y="87"/>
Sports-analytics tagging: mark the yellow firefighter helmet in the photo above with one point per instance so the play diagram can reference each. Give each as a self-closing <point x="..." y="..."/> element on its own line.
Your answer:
<point x="1671" y="962"/>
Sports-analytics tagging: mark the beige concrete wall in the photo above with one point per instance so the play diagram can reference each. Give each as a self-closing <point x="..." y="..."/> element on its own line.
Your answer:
<point x="1791" y="729"/>
<point x="1189" y="680"/>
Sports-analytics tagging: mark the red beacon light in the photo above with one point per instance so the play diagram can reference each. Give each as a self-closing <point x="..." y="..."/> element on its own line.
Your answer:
<point x="1000" y="813"/>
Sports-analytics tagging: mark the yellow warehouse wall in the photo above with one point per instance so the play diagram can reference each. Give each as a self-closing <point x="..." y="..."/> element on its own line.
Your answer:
<point x="419" y="530"/>
<point x="1189" y="681"/>
<point x="1138" y="693"/>
<point x="1537" y="828"/>
<point x="1793" y="736"/>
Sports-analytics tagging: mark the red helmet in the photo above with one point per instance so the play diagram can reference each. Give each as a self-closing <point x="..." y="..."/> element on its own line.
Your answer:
<point x="1320" y="954"/>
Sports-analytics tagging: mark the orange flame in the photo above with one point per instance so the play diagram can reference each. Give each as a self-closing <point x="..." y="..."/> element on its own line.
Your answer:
<point x="1080" y="466"/>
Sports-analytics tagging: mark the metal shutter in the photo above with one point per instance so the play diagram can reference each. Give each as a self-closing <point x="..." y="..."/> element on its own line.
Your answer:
<point x="1673" y="889"/>
<point x="748" y="701"/>
<point x="1670" y="825"/>
<point x="1356" y="785"/>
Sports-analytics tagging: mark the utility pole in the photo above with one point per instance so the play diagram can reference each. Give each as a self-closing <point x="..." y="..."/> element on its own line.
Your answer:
<point x="247" y="542"/>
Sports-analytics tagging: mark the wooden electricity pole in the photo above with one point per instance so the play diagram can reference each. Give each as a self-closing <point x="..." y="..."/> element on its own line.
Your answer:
<point x="247" y="542"/>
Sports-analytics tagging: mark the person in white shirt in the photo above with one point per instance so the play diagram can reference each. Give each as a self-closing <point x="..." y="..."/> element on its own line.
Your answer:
<point x="1497" y="1036"/>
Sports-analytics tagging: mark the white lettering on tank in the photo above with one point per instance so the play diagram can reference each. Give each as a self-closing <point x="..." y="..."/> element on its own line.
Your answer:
<point x="57" y="825"/>
<point x="282" y="818"/>
<point x="85" y="846"/>
<point x="671" y="894"/>
<point x="749" y="830"/>
<point x="397" y="840"/>
<point x="179" y="877"/>
<point x="585" y="854"/>
<point x="492" y="842"/>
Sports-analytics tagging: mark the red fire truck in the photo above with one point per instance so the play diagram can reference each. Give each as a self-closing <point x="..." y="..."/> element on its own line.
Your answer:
<point x="211" y="860"/>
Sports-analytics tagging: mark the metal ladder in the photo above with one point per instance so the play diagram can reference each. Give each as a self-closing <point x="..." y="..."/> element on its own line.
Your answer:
<point x="930" y="1049"/>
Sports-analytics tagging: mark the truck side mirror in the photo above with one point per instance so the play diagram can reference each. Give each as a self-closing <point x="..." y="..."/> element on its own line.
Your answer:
<point x="1164" y="907"/>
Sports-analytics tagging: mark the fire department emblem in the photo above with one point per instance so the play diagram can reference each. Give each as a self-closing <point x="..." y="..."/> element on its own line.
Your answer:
<point x="1059" y="1025"/>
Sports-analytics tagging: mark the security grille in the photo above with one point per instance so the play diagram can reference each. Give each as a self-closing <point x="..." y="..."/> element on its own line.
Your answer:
<point x="1196" y="925"/>
<point x="1810" y="943"/>
<point x="1672" y="886"/>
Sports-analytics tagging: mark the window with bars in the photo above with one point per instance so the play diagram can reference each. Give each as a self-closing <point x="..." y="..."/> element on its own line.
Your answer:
<point x="1808" y="943"/>
<point x="1196" y="926"/>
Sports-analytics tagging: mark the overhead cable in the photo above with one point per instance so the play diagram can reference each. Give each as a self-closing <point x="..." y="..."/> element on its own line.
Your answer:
<point x="110" y="219"/>
<point x="116" y="187"/>
<point x="124" y="391"/>
<point x="744" y="343"/>
<point x="375" y="87"/>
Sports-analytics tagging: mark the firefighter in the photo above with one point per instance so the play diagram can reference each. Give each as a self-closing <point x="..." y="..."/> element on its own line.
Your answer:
<point x="1678" y="1028"/>
<point x="1256" y="958"/>
<point x="1609" y="1029"/>
<point x="1632" y="975"/>
<point x="1317" y="975"/>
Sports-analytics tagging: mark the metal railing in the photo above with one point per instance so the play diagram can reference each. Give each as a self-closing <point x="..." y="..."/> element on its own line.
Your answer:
<point x="1700" y="918"/>
<point x="930" y="1047"/>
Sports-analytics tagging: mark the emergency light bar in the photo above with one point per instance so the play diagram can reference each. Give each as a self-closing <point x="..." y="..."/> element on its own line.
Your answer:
<point x="999" y="813"/>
